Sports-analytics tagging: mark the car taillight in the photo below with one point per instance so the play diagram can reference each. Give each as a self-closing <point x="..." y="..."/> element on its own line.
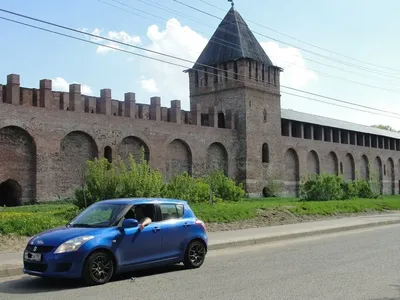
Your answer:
<point x="201" y="223"/>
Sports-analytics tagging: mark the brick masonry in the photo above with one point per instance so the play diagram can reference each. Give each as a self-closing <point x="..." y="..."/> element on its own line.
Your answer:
<point x="234" y="124"/>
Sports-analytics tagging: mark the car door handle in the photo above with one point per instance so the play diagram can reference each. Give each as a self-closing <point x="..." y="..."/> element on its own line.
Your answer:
<point x="186" y="225"/>
<point x="155" y="229"/>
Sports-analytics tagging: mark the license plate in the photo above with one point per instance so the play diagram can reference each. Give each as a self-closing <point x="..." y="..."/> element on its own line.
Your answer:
<point x="32" y="256"/>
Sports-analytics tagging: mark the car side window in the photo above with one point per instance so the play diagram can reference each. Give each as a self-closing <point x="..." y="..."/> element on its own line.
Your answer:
<point x="171" y="211"/>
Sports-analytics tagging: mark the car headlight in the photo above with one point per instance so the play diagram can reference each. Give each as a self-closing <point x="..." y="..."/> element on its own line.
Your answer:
<point x="73" y="244"/>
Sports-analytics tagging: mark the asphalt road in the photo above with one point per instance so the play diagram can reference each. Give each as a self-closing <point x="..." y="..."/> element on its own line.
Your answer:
<point x="364" y="264"/>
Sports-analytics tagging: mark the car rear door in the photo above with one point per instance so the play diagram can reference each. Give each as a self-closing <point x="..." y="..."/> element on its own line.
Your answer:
<point x="175" y="230"/>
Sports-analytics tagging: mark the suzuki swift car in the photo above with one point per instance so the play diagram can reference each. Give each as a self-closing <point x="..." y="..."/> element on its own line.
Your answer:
<point x="115" y="236"/>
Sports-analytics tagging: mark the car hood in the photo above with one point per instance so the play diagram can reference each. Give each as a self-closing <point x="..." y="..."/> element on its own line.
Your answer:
<point x="57" y="236"/>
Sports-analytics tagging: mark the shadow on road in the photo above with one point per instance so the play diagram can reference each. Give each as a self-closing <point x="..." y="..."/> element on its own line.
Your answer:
<point x="28" y="285"/>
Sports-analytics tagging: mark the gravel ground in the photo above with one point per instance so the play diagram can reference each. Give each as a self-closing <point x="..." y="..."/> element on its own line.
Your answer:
<point x="265" y="219"/>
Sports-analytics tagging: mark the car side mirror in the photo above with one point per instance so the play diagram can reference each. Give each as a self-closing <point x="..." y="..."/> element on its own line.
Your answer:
<point x="130" y="223"/>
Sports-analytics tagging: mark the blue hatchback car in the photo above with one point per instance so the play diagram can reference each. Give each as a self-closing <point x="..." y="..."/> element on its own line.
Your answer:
<point x="109" y="238"/>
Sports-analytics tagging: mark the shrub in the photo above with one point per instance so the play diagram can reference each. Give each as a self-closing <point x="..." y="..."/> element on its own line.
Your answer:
<point x="223" y="187"/>
<point x="187" y="188"/>
<point x="322" y="187"/>
<point x="140" y="180"/>
<point x="331" y="187"/>
<point x="105" y="180"/>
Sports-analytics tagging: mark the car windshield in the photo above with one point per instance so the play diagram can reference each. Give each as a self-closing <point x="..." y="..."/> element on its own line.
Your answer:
<point x="98" y="215"/>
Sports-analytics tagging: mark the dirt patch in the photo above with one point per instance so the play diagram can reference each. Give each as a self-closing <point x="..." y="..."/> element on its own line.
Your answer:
<point x="268" y="218"/>
<point x="12" y="243"/>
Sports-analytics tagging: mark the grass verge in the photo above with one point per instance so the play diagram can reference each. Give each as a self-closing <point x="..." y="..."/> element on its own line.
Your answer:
<point x="32" y="219"/>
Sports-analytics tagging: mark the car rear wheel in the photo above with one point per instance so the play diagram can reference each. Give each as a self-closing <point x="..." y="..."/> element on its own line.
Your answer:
<point x="195" y="255"/>
<point x="98" y="268"/>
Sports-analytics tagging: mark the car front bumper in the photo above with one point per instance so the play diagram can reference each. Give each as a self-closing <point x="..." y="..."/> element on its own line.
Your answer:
<point x="67" y="265"/>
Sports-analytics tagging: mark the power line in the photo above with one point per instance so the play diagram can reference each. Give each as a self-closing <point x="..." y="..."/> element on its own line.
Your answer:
<point x="301" y="41"/>
<point x="234" y="34"/>
<point x="186" y="67"/>
<point x="234" y="46"/>
<point x="279" y="41"/>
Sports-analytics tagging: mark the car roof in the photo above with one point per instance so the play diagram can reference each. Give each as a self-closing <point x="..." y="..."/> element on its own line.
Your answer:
<point x="142" y="201"/>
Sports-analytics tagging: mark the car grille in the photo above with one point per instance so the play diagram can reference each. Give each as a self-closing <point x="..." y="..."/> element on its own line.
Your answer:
<point x="35" y="267"/>
<point x="39" y="249"/>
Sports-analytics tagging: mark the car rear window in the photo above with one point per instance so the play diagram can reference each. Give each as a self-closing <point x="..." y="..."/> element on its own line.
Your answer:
<point x="171" y="211"/>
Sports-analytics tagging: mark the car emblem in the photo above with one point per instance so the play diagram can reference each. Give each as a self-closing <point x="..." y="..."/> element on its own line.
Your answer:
<point x="34" y="249"/>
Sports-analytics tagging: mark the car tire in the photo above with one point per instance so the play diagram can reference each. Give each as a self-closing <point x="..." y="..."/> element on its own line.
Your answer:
<point x="98" y="268"/>
<point x="195" y="255"/>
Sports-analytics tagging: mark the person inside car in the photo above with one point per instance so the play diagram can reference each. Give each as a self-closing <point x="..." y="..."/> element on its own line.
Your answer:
<point x="138" y="213"/>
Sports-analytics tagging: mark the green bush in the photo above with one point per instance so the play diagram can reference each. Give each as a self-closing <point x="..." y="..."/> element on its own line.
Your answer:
<point x="322" y="187"/>
<point x="105" y="180"/>
<point x="187" y="188"/>
<point x="223" y="187"/>
<point x="326" y="187"/>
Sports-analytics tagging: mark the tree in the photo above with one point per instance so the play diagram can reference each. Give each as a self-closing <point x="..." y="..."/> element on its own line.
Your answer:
<point x="385" y="127"/>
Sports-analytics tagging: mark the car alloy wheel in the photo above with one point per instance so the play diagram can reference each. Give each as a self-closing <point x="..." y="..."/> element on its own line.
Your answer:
<point x="195" y="254"/>
<point x="99" y="268"/>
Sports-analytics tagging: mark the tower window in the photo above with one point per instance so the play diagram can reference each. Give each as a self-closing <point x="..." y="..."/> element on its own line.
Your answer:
<point x="265" y="115"/>
<point x="263" y="72"/>
<point x="250" y="69"/>
<point x="235" y="69"/>
<point x="205" y="76"/>
<point x="215" y="75"/>
<point x="226" y="71"/>
<point x="265" y="153"/>
<point x="256" y="71"/>
<point x="196" y="78"/>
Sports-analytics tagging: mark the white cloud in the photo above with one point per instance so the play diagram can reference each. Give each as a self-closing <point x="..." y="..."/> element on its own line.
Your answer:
<point x="60" y="84"/>
<point x="295" y="73"/>
<point x="120" y="36"/>
<point x="183" y="42"/>
<point x="149" y="85"/>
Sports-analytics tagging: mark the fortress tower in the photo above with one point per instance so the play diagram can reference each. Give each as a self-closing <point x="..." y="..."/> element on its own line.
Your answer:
<point x="235" y="77"/>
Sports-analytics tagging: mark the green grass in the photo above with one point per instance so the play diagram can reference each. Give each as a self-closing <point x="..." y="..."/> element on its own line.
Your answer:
<point x="31" y="219"/>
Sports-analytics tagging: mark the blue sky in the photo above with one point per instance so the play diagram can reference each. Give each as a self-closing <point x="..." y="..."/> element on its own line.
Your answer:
<point x="365" y="30"/>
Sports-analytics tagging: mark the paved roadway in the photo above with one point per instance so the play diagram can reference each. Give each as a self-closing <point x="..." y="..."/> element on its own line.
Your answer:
<point x="364" y="264"/>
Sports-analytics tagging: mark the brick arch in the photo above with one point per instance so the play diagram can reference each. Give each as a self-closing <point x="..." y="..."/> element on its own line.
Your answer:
<point x="292" y="174"/>
<point x="76" y="148"/>
<point x="349" y="167"/>
<point x="178" y="158"/>
<point x="377" y="172"/>
<point x="18" y="164"/>
<point x="217" y="158"/>
<point x="364" y="167"/>
<point x="390" y="177"/>
<point x="133" y="145"/>
<point x="313" y="163"/>
<point x="332" y="163"/>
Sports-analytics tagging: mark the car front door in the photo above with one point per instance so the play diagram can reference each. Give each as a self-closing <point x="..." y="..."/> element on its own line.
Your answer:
<point x="174" y="231"/>
<point x="140" y="247"/>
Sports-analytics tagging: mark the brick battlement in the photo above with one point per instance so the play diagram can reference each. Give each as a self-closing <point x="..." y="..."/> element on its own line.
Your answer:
<point x="74" y="100"/>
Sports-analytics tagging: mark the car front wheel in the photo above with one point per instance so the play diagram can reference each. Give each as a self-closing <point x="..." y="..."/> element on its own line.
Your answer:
<point x="195" y="255"/>
<point x="98" y="268"/>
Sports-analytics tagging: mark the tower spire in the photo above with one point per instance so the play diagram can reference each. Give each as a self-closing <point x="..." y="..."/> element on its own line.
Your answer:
<point x="232" y="3"/>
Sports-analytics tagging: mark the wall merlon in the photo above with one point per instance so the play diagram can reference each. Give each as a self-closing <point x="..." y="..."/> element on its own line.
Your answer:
<point x="155" y="108"/>
<point x="13" y="89"/>
<point x="176" y="104"/>
<point x="176" y="111"/>
<point x="75" y="99"/>
<point x="130" y="105"/>
<point x="195" y="113"/>
<point x="45" y="84"/>
<point x="13" y="79"/>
